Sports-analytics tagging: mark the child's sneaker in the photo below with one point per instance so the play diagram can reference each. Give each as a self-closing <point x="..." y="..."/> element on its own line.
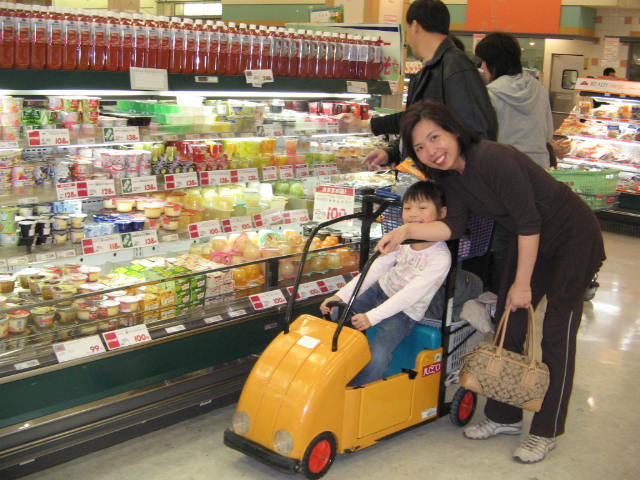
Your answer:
<point x="488" y="428"/>
<point x="534" y="449"/>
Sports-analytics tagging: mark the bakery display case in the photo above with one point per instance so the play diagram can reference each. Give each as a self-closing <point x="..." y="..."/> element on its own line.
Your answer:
<point x="143" y="266"/>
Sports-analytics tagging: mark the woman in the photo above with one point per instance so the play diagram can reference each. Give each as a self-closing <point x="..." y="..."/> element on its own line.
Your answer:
<point x="558" y="249"/>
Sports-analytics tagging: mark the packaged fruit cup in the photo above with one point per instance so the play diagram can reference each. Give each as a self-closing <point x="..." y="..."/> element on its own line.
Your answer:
<point x="4" y="326"/>
<point x="108" y="308"/>
<point x="170" y="223"/>
<point x="172" y="209"/>
<point x="87" y="311"/>
<point x="42" y="317"/>
<point x="92" y="273"/>
<point x="125" y="205"/>
<point x="66" y="314"/>
<point x="153" y="209"/>
<point x="18" y="321"/>
<point x="129" y="303"/>
<point x="47" y="288"/>
<point x="7" y="283"/>
<point x="109" y="203"/>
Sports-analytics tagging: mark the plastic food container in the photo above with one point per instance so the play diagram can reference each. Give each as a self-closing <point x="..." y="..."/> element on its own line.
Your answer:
<point x="7" y="283"/>
<point x="66" y="314"/>
<point x="77" y="279"/>
<point x="60" y="236"/>
<point x="125" y="205"/>
<point x="4" y="326"/>
<point x="24" y="274"/>
<point x="64" y="291"/>
<point x="43" y="317"/>
<point x="92" y="273"/>
<point x="153" y="209"/>
<point x="87" y="311"/>
<point x="77" y="234"/>
<point x="60" y="222"/>
<point x="89" y="329"/>
<point x="108" y="308"/>
<point x="116" y="294"/>
<point x="129" y="304"/>
<point x="172" y="209"/>
<point x="92" y="288"/>
<point x="34" y="283"/>
<point x="77" y="220"/>
<point x="18" y="321"/>
<point x="170" y="223"/>
<point x="109" y="203"/>
<point x="47" y="288"/>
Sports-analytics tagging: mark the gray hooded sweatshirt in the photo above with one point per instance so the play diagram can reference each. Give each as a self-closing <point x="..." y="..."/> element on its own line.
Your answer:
<point x="524" y="114"/>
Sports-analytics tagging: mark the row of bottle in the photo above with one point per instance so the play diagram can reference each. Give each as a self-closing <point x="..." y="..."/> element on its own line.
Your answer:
<point x="61" y="38"/>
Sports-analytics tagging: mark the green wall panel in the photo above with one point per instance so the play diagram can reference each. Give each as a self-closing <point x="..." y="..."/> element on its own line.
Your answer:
<point x="458" y="14"/>
<point x="578" y="17"/>
<point x="257" y="13"/>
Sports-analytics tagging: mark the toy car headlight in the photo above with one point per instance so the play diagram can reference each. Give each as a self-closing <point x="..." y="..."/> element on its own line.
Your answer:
<point x="240" y="423"/>
<point x="283" y="441"/>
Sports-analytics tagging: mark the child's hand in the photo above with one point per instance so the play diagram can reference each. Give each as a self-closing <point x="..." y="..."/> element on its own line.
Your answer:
<point x="360" y="321"/>
<point x="323" y="306"/>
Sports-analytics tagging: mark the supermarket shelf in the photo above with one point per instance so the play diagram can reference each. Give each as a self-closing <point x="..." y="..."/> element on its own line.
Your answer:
<point x="604" y="139"/>
<point x="27" y="81"/>
<point x="596" y="163"/>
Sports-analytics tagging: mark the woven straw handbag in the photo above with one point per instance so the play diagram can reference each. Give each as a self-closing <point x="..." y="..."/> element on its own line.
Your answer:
<point x="505" y="376"/>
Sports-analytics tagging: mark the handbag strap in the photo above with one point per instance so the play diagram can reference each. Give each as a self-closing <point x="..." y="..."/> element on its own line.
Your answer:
<point x="530" y="342"/>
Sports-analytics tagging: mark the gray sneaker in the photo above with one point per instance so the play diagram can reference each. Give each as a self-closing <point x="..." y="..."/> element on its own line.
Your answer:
<point x="488" y="428"/>
<point x="534" y="449"/>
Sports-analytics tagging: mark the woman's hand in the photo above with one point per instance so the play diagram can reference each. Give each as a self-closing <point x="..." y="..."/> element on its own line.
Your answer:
<point x="391" y="241"/>
<point x="349" y="123"/>
<point x="376" y="159"/>
<point x="360" y="321"/>
<point x="323" y="306"/>
<point x="519" y="296"/>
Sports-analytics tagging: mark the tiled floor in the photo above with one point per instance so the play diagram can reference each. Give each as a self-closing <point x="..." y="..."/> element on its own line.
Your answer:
<point x="602" y="429"/>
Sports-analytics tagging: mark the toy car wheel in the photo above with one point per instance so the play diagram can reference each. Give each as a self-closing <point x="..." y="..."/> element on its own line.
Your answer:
<point x="463" y="406"/>
<point x="319" y="456"/>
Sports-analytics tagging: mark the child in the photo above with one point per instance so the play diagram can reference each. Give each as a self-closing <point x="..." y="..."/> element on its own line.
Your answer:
<point x="400" y="285"/>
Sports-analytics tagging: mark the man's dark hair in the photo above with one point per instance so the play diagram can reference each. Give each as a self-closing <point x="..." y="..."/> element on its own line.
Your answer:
<point x="425" y="190"/>
<point x="609" y="71"/>
<point x="445" y="118"/>
<point x="501" y="52"/>
<point x="432" y="15"/>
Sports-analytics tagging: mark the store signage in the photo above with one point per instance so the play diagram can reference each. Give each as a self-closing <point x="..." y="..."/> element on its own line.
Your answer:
<point x="216" y="177"/>
<point x="27" y="364"/>
<point x="204" y="229"/>
<point x="55" y="136"/>
<point x="46" y="257"/>
<point x="126" y="337"/>
<point x="17" y="261"/>
<point x="104" y="244"/>
<point x="9" y="144"/>
<point x="334" y="283"/>
<point x="244" y="175"/>
<point x="612" y="87"/>
<point x="88" y="188"/>
<point x="258" y="77"/>
<point x="214" y="319"/>
<point x="237" y="313"/>
<point x="79" y="348"/>
<point x="144" y="184"/>
<point x="266" y="219"/>
<point x="323" y="169"/>
<point x="302" y="171"/>
<point x="285" y="172"/>
<point x="175" y="329"/>
<point x="120" y="134"/>
<point x="306" y="290"/>
<point x="237" y="224"/>
<point x="357" y="87"/>
<point x="148" y="79"/>
<point x="333" y="202"/>
<point x="181" y="180"/>
<point x="269" y="173"/>
<point x="266" y="300"/>
<point x="100" y="188"/>
<point x="295" y="216"/>
<point x="144" y="238"/>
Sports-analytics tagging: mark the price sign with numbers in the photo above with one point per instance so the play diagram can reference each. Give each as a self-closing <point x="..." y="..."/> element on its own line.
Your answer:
<point x="357" y="87"/>
<point x="269" y="173"/>
<point x="333" y="202"/>
<point x="286" y="172"/>
<point x="145" y="184"/>
<point x="9" y="144"/>
<point x="204" y="229"/>
<point x="125" y="337"/>
<point x="266" y="300"/>
<point x="181" y="180"/>
<point x="323" y="169"/>
<point x="216" y="177"/>
<point x="100" y="188"/>
<point x="46" y="257"/>
<point x="248" y="175"/>
<point x="121" y="134"/>
<point x="258" y="77"/>
<point x="335" y="283"/>
<point x="144" y="238"/>
<point x="56" y="136"/>
<point x="106" y="243"/>
<point x="214" y="319"/>
<point x="302" y="171"/>
<point x="79" y="348"/>
<point x="237" y="224"/>
<point x="66" y="253"/>
<point x="17" y="261"/>
<point x="322" y="286"/>
<point x="295" y="216"/>
<point x="306" y="290"/>
<point x="67" y="191"/>
<point x="265" y="219"/>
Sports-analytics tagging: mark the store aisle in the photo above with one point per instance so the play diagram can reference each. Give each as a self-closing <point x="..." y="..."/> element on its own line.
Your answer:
<point x="600" y="443"/>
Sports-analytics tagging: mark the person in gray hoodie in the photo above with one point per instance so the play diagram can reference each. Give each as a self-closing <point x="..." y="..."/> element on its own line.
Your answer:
<point x="520" y="101"/>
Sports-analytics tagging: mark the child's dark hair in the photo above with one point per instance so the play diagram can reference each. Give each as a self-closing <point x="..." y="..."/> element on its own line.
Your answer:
<point x="425" y="190"/>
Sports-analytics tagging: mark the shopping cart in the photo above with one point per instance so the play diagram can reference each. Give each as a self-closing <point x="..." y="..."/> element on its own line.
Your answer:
<point x="597" y="187"/>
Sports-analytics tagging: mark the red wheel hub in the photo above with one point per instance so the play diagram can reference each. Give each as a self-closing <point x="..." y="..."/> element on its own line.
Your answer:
<point x="466" y="406"/>
<point x="320" y="456"/>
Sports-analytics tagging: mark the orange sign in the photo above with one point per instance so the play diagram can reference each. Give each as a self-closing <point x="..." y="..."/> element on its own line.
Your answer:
<point x="515" y="16"/>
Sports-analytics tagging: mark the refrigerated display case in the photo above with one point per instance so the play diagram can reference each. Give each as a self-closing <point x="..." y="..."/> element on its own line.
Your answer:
<point x="76" y="375"/>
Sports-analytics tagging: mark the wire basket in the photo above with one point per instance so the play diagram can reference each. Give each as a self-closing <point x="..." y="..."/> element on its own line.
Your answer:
<point x="461" y="342"/>
<point x="596" y="187"/>
<point x="474" y="244"/>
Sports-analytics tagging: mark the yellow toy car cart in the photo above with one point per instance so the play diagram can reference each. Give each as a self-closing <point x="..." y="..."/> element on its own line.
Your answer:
<point x="296" y="410"/>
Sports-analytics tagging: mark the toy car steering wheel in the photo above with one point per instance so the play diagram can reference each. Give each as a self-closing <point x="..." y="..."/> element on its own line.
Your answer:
<point x="341" y="306"/>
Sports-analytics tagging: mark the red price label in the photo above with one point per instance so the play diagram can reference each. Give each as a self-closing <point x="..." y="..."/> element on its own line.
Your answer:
<point x="266" y="300"/>
<point x="125" y="337"/>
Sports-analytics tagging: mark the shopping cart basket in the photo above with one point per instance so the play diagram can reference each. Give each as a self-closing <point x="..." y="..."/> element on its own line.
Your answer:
<point x="596" y="187"/>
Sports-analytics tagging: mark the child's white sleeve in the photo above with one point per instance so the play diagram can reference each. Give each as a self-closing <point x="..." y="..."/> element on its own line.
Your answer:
<point x="426" y="283"/>
<point x="379" y="268"/>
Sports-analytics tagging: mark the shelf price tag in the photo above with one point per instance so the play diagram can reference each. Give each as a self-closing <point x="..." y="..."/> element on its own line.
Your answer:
<point x="306" y="290"/>
<point x="334" y="283"/>
<point x="66" y="253"/>
<point x="357" y="87"/>
<point x="302" y="171"/>
<point x="216" y="177"/>
<point x="286" y="172"/>
<point x="214" y="319"/>
<point x="9" y="144"/>
<point x="120" y="134"/>
<point x="248" y="175"/>
<point x="295" y="216"/>
<point x="100" y="188"/>
<point x="257" y="77"/>
<point x="181" y="180"/>
<point x="265" y="219"/>
<point x="79" y="348"/>
<point x="145" y="184"/>
<point x="67" y="191"/>
<point x="204" y="229"/>
<point x="237" y="313"/>
<point x="144" y="238"/>
<point x="269" y="173"/>
<point x="17" y="261"/>
<point x="126" y="337"/>
<point x="46" y="257"/>
<point x="106" y="243"/>
<point x="266" y="300"/>
<point x="237" y="224"/>
<point x="56" y="136"/>
<point x="323" y="169"/>
<point x="322" y="286"/>
<point x="332" y="202"/>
